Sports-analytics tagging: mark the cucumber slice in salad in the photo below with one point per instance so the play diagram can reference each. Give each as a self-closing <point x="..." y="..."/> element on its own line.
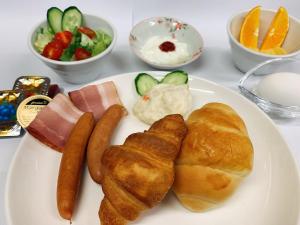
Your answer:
<point x="54" y="17"/>
<point x="71" y="19"/>
<point x="144" y="82"/>
<point x="176" y="77"/>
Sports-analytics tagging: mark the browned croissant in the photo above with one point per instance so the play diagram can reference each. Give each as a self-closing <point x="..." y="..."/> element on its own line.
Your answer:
<point x="216" y="153"/>
<point x="138" y="174"/>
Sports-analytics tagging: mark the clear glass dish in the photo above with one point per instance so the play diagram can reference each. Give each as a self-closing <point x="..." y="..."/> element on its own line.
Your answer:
<point x="249" y="83"/>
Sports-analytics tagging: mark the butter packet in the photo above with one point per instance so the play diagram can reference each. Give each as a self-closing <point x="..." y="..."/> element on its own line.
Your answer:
<point x="32" y="85"/>
<point x="9" y="101"/>
<point x="30" y="107"/>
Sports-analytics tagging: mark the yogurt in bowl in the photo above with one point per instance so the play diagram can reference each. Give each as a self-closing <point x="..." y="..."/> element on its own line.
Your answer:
<point x="147" y="37"/>
<point x="165" y="50"/>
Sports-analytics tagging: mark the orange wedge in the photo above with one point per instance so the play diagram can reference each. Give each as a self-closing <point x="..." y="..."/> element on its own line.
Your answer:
<point x="277" y="30"/>
<point x="275" y="51"/>
<point x="250" y="29"/>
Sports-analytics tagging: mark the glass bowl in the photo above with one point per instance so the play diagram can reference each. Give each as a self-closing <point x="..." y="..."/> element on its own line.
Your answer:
<point x="249" y="83"/>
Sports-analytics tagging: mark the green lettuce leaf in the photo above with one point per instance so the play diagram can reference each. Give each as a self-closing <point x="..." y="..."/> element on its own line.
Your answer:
<point x="43" y="37"/>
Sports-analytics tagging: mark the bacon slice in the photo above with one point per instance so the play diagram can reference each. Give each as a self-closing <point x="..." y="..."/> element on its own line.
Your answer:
<point x="53" y="124"/>
<point x="96" y="98"/>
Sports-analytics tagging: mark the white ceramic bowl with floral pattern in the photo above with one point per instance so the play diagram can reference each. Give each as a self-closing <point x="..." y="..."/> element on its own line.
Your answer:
<point x="166" y="27"/>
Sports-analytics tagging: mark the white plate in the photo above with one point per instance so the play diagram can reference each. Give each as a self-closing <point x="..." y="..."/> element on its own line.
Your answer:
<point x="268" y="196"/>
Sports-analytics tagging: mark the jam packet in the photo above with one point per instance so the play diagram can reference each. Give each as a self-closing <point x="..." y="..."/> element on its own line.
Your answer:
<point x="54" y="89"/>
<point x="9" y="101"/>
<point x="32" y="85"/>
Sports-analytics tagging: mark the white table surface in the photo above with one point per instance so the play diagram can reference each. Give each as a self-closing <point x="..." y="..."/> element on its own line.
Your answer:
<point x="17" y="18"/>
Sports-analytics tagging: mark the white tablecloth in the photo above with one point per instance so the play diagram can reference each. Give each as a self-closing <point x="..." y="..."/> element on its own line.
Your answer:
<point x="209" y="17"/>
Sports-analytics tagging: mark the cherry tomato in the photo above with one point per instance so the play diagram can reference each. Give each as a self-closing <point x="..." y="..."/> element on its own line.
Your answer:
<point x="65" y="37"/>
<point x="53" y="50"/>
<point x="87" y="31"/>
<point x="81" y="53"/>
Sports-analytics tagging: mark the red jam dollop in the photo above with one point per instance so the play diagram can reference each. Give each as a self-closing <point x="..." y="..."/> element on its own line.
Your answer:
<point x="167" y="46"/>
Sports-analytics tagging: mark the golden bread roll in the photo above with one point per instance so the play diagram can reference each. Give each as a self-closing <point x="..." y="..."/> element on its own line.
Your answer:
<point x="215" y="155"/>
<point x="138" y="174"/>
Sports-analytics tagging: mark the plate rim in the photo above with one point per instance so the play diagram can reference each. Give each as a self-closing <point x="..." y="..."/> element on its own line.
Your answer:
<point x="7" y="212"/>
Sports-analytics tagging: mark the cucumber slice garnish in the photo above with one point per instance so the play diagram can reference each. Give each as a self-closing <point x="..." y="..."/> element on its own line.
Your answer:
<point x="54" y="18"/>
<point x="144" y="82"/>
<point x="71" y="19"/>
<point x="176" y="77"/>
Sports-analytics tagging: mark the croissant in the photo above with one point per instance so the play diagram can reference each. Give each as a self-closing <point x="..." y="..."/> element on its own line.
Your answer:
<point x="215" y="155"/>
<point x="138" y="174"/>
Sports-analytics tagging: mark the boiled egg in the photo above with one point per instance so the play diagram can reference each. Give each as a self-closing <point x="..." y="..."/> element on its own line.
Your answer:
<point x="282" y="88"/>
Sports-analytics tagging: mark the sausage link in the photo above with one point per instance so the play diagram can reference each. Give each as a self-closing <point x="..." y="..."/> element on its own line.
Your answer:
<point x="100" y="139"/>
<point x="71" y="165"/>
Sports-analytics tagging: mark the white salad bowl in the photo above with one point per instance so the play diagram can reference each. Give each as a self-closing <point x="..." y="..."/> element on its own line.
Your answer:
<point x="169" y="28"/>
<point x="83" y="70"/>
<point x="245" y="58"/>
